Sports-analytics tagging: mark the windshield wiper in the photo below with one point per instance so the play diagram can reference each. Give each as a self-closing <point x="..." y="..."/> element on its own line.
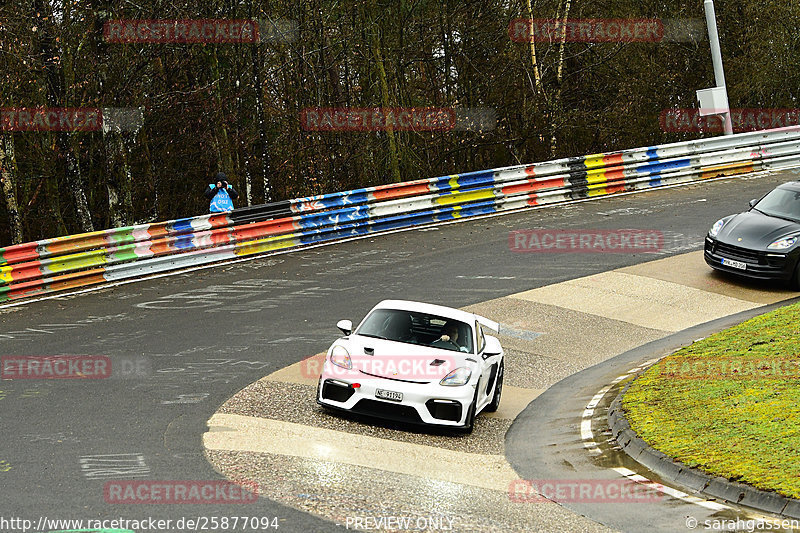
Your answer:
<point x="373" y="336"/>
<point x="787" y="219"/>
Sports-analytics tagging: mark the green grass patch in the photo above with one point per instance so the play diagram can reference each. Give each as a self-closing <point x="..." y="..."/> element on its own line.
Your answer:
<point x="729" y="404"/>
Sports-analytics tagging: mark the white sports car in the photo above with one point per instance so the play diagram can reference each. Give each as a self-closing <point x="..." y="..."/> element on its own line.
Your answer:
<point x="417" y="363"/>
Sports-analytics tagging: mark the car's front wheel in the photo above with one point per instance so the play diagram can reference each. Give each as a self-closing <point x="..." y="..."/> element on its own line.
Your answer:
<point x="469" y="422"/>
<point x="498" y="390"/>
<point x="795" y="282"/>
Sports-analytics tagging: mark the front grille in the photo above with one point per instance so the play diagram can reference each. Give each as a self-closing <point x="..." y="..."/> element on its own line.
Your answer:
<point x="444" y="410"/>
<point x="336" y="392"/>
<point x="405" y="413"/>
<point x="741" y="254"/>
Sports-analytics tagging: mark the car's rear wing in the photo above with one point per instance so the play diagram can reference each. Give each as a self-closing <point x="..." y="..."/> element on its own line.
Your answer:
<point x="485" y="322"/>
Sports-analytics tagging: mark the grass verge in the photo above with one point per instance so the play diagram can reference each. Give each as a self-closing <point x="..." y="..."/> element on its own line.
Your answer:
<point x="729" y="404"/>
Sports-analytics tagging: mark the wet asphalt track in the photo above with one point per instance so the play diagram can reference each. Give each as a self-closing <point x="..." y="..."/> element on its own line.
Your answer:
<point x="204" y="335"/>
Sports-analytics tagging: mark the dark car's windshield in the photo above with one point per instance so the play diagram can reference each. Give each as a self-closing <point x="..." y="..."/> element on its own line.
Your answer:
<point x="781" y="203"/>
<point x="413" y="327"/>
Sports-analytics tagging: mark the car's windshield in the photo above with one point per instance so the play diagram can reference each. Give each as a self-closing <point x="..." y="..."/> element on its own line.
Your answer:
<point x="413" y="327"/>
<point x="782" y="203"/>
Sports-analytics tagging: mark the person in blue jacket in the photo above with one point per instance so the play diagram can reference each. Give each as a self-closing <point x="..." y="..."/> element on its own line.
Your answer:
<point x="221" y="194"/>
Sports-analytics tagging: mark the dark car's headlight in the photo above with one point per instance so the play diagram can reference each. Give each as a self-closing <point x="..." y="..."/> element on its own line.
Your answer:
<point x="782" y="244"/>
<point x="716" y="227"/>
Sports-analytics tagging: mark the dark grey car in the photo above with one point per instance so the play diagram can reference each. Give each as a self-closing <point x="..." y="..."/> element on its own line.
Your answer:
<point x="763" y="242"/>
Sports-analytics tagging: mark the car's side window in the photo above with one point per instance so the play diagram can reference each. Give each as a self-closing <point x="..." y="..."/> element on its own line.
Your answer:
<point x="481" y="338"/>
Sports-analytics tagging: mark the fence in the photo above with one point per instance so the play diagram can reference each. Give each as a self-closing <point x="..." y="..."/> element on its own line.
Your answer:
<point x="123" y="253"/>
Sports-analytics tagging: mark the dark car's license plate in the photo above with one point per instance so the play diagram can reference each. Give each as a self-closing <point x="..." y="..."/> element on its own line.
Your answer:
<point x="734" y="264"/>
<point x="389" y="395"/>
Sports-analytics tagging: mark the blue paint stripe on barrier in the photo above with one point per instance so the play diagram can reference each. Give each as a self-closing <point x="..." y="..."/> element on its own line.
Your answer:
<point x="652" y="152"/>
<point x="184" y="242"/>
<point x="657" y="168"/>
<point x="183" y="224"/>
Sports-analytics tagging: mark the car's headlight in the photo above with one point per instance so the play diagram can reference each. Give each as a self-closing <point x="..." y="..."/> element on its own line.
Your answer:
<point x="456" y="378"/>
<point x="716" y="227"/>
<point x="782" y="244"/>
<point x="340" y="357"/>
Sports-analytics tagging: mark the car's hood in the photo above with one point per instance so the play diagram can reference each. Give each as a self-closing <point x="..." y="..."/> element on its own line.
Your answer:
<point x="399" y="360"/>
<point x="753" y="229"/>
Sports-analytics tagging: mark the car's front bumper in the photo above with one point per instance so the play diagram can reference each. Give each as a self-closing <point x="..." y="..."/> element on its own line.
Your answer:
<point x="759" y="264"/>
<point x="423" y="403"/>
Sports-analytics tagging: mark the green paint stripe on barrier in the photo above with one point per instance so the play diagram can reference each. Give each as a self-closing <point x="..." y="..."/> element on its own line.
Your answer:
<point x="121" y="235"/>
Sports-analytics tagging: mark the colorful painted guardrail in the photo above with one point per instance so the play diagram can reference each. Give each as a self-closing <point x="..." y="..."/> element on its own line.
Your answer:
<point x="51" y="265"/>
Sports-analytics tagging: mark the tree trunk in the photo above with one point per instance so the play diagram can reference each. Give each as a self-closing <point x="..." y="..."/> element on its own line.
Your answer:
<point x="394" y="160"/>
<point x="557" y="108"/>
<point x="8" y="175"/>
<point x="54" y="69"/>
<point x="537" y="78"/>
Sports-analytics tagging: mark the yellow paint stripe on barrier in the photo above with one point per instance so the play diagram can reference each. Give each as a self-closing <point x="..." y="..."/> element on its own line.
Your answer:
<point x="75" y="261"/>
<point x="742" y="167"/>
<point x="595" y="160"/>
<point x="5" y="275"/>
<point x="462" y="197"/>
<point x="267" y="244"/>
<point x="596" y="176"/>
<point x="453" y="182"/>
<point x="597" y="191"/>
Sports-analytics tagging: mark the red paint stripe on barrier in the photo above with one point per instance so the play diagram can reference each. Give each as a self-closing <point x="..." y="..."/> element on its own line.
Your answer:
<point x="264" y="229"/>
<point x="20" y="252"/>
<point x="532" y="186"/>
<point x="613" y="159"/>
<point x="25" y="271"/>
<point x="76" y="244"/>
<point x="389" y="192"/>
<point x="530" y="171"/>
<point x="56" y="283"/>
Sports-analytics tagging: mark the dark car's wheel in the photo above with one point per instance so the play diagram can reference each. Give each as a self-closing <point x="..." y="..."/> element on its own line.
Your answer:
<point x="795" y="282"/>
<point x="498" y="390"/>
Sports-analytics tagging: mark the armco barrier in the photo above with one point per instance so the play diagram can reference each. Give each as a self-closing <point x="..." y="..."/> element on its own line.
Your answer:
<point x="122" y="253"/>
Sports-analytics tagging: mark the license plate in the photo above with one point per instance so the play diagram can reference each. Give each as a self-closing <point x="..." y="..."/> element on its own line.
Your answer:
<point x="734" y="264"/>
<point x="389" y="395"/>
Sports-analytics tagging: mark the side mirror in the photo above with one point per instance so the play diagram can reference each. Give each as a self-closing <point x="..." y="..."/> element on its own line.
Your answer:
<point x="492" y="347"/>
<point x="753" y="202"/>
<point x="346" y="326"/>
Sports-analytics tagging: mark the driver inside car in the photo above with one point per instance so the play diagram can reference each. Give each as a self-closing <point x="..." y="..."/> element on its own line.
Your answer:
<point x="449" y="338"/>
